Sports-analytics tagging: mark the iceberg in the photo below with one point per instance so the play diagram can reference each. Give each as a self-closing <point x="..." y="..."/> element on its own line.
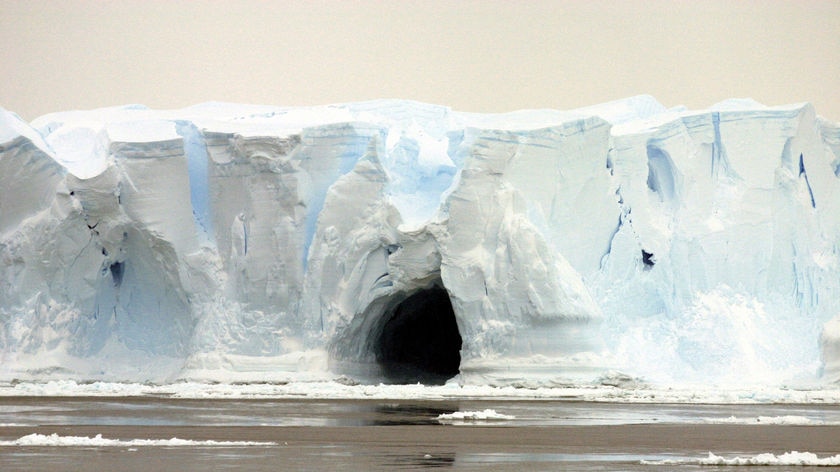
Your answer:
<point x="401" y="242"/>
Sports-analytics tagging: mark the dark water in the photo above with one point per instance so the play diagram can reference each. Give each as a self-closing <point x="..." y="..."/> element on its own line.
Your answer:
<point x="402" y="435"/>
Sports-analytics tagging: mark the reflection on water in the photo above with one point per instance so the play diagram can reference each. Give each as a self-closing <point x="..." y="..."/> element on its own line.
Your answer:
<point x="394" y="414"/>
<point x="425" y="461"/>
<point x="314" y="413"/>
<point x="531" y="457"/>
<point x="158" y="412"/>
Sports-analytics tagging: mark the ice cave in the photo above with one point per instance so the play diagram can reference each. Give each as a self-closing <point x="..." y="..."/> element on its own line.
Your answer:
<point x="417" y="339"/>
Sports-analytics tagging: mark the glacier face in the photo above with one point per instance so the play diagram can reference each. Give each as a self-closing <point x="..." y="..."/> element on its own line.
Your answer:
<point x="399" y="241"/>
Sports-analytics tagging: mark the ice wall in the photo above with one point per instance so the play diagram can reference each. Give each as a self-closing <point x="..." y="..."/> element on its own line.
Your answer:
<point x="234" y="242"/>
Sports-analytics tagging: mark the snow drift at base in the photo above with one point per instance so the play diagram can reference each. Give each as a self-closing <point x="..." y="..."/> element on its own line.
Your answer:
<point x="400" y="242"/>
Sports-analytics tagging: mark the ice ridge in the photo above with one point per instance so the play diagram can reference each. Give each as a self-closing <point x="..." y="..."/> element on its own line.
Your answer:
<point x="242" y="242"/>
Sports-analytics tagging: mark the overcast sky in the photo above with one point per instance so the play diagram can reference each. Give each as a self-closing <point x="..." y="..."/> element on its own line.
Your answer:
<point x="485" y="56"/>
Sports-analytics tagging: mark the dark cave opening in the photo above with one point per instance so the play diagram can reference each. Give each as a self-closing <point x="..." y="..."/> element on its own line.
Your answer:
<point x="648" y="260"/>
<point x="117" y="273"/>
<point x="419" y="340"/>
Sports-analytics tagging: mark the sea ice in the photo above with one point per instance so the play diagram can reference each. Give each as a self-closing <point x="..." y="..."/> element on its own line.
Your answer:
<point x="788" y="458"/>
<point x="792" y="458"/>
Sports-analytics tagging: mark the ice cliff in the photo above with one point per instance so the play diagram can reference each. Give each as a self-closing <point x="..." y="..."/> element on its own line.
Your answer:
<point x="400" y="241"/>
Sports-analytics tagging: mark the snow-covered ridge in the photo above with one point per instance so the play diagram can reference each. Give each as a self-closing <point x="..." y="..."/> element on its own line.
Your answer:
<point x="401" y="241"/>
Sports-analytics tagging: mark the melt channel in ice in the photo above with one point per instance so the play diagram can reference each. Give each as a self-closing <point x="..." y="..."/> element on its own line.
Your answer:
<point x="398" y="241"/>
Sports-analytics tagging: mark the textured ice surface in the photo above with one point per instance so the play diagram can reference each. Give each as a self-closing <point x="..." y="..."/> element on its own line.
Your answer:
<point x="256" y="243"/>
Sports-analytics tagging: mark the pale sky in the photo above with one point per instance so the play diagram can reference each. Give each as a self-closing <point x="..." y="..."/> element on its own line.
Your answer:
<point x="483" y="56"/>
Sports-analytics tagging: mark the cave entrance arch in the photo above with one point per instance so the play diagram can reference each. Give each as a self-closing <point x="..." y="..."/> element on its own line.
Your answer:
<point x="417" y="339"/>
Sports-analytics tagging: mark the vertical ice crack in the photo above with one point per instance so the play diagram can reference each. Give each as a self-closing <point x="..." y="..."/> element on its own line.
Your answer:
<point x="804" y="174"/>
<point x="197" y="165"/>
<point x="244" y="237"/>
<point x="717" y="145"/>
<point x="720" y="166"/>
<point x="623" y="214"/>
<point x="81" y="251"/>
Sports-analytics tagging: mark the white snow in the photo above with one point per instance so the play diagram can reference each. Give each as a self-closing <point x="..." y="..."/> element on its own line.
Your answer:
<point x="56" y="440"/>
<point x="12" y="127"/>
<point x="242" y="243"/>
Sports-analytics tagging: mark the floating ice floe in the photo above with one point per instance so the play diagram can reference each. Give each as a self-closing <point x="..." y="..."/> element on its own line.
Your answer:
<point x="472" y="416"/>
<point x="793" y="458"/>
<point x="56" y="440"/>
